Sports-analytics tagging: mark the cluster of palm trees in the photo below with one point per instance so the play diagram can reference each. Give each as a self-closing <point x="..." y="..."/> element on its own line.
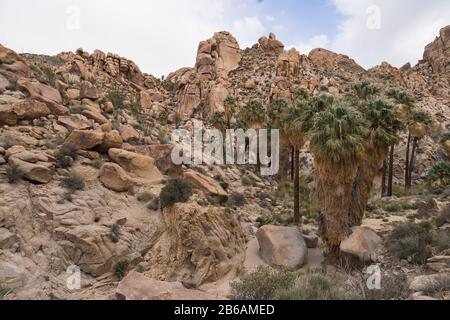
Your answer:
<point x="351" y="138"/>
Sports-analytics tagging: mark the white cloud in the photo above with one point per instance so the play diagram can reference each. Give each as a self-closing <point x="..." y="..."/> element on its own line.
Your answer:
<point x="248" y="30"/>
<point x="405" y="28"/>
<point x="160" y="36"/>
<point x="270" y="18"/>
<point x="278" y="27"/>
<point x="318" y="41"/>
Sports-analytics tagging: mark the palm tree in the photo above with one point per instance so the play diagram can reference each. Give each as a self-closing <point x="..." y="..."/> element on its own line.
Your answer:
<point x="365" y="90"/>
<point x="405" y="104"/>
<point x="418" y="128"/>
<point x="384" y="127"/>
<point x="274" y="115"/>
<point x="337" y="140"/>
<point x="253" y="115"/>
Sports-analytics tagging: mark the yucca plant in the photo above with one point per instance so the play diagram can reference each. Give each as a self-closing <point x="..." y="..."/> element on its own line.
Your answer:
<point x="337" y="140"/>
<point x="384" y="127"/>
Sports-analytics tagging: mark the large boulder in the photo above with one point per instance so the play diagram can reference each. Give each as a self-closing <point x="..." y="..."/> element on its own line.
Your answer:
<point x="136" y="286"/>
<point x="7" y="239"/>
<point x="137" y="164"/>
<point x="85" y="139"/>
<point x="205" y="183"/>
<point x="129" y="134"/>
<point x="88" y="90"/>
<point x="115" y="178"/>
<point x="271" y="44"/>
<point x="12" y="62"/>
<point x="25" y="110"/>
<point x="4" y="83"/>
<point x="282" y="247"/>
<point x="199" y="245"/>
<point x="112" y="140"/>
<point x="31" y="166"/>
<point x="43" y="93"/>
<point x="162" y="154"/>
<point x="361" y="244"/>
<point x="75" y="122"/>
<point x="436" y="53"/>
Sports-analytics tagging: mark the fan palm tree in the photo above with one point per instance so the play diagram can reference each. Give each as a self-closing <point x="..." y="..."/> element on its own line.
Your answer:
<point x="384" y="127"/>
<point x="366" y="90"/>
<point x="274" y="115"/>
<point x="405" y="105"/>
<point x="418" y="128"/>
<point x="253" y="115"/>
<point x="337" y="139"/>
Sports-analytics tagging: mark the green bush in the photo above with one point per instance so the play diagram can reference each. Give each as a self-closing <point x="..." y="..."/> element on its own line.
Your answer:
<point x="236" y="200"/>
<point x="73" y="181"/>
<point x="144" y="197"/>
<point x="66" y="155"/>
<point x="121" y="268"/>
<point x="313" y="285"/>
<point x="116" y="97"/>
<point x="247" y="181"/>
<point x="263" y="284"/>
<point x="440" y="172"/>
<point x="411" y="240"/>
<point x="114" y="233"/>
<point x="4" y="291"/>
<point x="445" y="137"/>
<point x="176" y="190"/>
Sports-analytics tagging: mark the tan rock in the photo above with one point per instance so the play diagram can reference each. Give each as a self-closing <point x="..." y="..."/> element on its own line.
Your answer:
<point x="4" y="83"/>
<point x="137" y="164"/>
<point x="115" y="178"/>
<point x="361" y="244"/>
<point x="111" y="140"/>
<point x="73" y="94"/>
<point x="96" y="116"/>
<point x="25" y="110"/>
<point x="205" y="183"/>
<point x="85" y="139"/>
<point x="162" y="154"/>
<point x="14" y="150"/>
<point x="199" y="245"/>
<point x="282" y="247"/>
<point x="136" y="286"/>
<point x="88" y="90"/>
<point x="39" y="172"/>
<point x="7" y="239"/>
<point x="75" y="122"/>
<point x="128" y="133"/>
<point x="271" y="44"/>
<point x="108" y="107"/>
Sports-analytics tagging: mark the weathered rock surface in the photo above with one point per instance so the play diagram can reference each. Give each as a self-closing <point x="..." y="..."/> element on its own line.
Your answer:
<point x="115" y="178"/>
<point x="136" y="286"/>
<point x="361" y="244"/>
<point x="205" y="183"/>
<point x="282" y="247"/>
<point x="85" y="139"/>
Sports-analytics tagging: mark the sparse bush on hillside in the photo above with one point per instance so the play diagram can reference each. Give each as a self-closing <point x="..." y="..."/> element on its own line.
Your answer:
<point x="73" y="181"/>
<point x="412" y="241"/>
<point x="247" y="181"/>
<point x="8" y="140"/>
<point x="144" y="197"/>
<point x="114" y="233"/>
<point x="13" y="174"/>
<point x="4" y="291"/>
<point x="176" y="190"/>
<point x="121" y="268"/>
<point x="116" y="97"/>
<point x="393" y="287"/>
<point x="66" y="155"/>
<point x="263" y="284"/>
<point x="236" y="200"/>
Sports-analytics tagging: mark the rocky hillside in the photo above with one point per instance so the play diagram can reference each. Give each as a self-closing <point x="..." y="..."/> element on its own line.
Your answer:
<point x="85" y="154"/>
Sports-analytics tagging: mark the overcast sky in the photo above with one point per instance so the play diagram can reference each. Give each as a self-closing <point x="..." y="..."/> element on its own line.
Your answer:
<point x="162" y="35"/>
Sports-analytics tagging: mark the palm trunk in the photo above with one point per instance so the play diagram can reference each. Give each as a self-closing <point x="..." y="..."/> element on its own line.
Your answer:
<point x="297" y="216"/>
<point x="362" y="186"/>
<point x="412" y="163"/>
<point x="384" y="179"/>
<point x="391" y="172"/>
<point x="292" y="163"/>
<point x="334" y="187"/>
<point x="408" y="147"/>
<point x="285" y="148"/>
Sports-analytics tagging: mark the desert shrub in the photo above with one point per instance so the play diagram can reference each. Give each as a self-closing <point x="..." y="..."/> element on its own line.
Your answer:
<point x="97" y="163"/>
<point x="176" y="190"/>
<point x="163" y="116"/>
<point x="144" y="197"/>
<point x="4" y="291"/>
<point x="236" y="200"/>
<point x="153" y="204"/>
<point x="284" y="218"/>
<point x="313" y="285"/>
<point x="247" y="181"/>
<point x="440" y="172"/>
<point x="224" y="185"/>
<point x="76" y="109"/>
<point x="114" y="233"/>
<point x="442" y="241"/>
<point x="263" y="284"/>
<point x="8" y="140"/>
<point x="163" y="136"/>
<point x="116" y="97"/>
<point x="66" y="155"/>
<point x="168" y="85"/>
<point x="393" y="287"/>
<point x="73" y="181"/>
<point x="411" y="240"/>
<point x="13" y="174"/>
<point x="120" y="269"/>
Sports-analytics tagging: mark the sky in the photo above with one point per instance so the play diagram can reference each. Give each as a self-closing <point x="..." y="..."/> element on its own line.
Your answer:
<point x="162" y="36"/>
